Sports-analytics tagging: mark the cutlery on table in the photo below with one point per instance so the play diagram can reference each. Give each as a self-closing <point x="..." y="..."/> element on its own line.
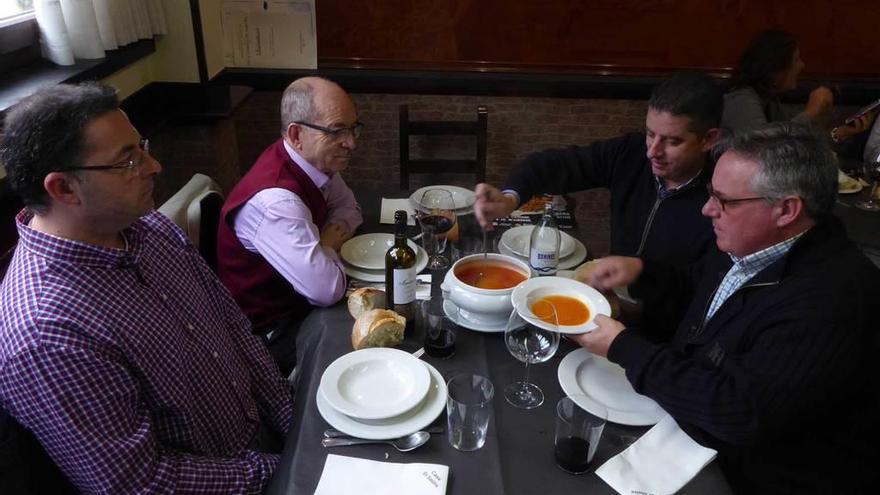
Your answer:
<point x="403" y="444"/>
<point x="331" y="433"/>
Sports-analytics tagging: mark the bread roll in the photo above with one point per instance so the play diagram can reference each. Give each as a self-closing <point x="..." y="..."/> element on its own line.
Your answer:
<point x="377" y="328"/>
<point x="365" y="299"/>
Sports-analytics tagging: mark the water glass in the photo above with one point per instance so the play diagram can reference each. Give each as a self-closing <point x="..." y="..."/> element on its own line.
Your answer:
<point x="578" y="433"/>
<point x="468" y="408"/>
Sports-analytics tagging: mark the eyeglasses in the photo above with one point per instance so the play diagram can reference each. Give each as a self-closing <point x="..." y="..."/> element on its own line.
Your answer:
<point x="130" y="164"/>
<point x="337" y="133"/>
<point x="724" y="203"/>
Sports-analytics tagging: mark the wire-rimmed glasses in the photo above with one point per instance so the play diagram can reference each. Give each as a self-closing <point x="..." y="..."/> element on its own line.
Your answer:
<point x="130" y="164"/>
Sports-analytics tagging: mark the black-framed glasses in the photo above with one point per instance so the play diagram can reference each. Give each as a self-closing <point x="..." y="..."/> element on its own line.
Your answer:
<point x="723" y="203"/>
<point x="130" y="164"/>
<point x="337" y="133"/>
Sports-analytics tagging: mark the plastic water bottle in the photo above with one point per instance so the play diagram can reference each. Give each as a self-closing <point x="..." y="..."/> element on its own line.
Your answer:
<point x="544" y="244"/>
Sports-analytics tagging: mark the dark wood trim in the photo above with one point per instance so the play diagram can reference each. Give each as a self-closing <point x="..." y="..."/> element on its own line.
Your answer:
<point x="515" y="82"/>
<point x="199" y="37"/>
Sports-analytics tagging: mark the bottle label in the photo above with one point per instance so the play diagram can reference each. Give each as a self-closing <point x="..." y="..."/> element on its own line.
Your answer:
<point x="543" y="262"/>
<point x="404" y="285"/>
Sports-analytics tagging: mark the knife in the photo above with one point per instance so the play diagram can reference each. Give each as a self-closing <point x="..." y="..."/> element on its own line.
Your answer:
<point x="331" y="433"/>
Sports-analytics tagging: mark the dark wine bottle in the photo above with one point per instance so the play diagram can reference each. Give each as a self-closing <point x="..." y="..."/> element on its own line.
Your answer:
<point x="400" y="273"/>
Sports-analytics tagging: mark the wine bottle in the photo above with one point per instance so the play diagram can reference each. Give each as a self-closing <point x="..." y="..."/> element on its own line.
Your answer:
<point x="400" y="273"/>
<point x="544" y="244"/>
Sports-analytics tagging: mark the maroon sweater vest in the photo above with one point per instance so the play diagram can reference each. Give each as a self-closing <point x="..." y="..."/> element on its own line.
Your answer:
<point x="263" y="294"/>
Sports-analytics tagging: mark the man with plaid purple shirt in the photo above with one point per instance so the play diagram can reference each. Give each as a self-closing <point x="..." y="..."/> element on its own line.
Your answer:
<point x="119" y="348"/>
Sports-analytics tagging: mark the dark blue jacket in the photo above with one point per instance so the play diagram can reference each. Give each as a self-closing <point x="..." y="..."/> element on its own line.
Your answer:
<point x="782" y="380"/>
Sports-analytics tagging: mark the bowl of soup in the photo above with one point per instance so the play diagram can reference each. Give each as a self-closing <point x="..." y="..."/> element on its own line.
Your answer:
<point x="560" y="304"/>
<point x="480" y="286"/>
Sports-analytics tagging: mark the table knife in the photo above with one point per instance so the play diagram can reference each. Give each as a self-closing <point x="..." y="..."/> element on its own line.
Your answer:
<point x="331" y="433"/>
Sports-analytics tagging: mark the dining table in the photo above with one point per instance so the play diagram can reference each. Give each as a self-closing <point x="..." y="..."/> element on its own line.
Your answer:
<point x="518" y="456"/>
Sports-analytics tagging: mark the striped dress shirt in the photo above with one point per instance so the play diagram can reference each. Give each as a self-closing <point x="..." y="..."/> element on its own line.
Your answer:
<point x="134" y="367"/>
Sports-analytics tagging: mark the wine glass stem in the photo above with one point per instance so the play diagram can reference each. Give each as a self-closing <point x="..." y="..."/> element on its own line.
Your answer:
<point x="525" y="386"/>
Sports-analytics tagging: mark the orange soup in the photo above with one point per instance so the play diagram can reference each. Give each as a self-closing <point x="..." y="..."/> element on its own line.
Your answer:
<point x="569" y="311"/>
<point x="489" y="275"/>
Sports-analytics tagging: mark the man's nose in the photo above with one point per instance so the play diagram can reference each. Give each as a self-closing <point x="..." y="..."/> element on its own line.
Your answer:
<point x="151" y="166"/>
<point x="654" y="148"/>
<point x="710" y="208"/>
<point x="349" y="141"/>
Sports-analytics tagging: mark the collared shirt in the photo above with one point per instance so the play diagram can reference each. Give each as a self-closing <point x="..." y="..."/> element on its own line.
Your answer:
<point x="134" y="367"/>
<point x="745" y="268"/>
<point x="663" y="192"/>
<point x="277" y="224"/>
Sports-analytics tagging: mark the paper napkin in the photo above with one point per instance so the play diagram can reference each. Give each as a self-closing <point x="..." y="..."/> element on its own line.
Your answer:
<point x="660" y="462"/>
<point x="423" y="286"/>
<point x="346" y="475"/>
<point x="389" y="206"/>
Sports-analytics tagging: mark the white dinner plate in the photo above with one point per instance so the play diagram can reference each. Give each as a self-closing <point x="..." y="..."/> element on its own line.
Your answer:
<point x="582" y="373"/>
<point x="409" y="422"/>
<point x="368" y="250"/>
<point x="575" y="259"/>
<point x="375" y="383"/>
<point x="379" y="275"/>
<point x="464" y="199"/>
<point x="559" y="286"/>
<point x="517" y="240"/>
<point x="453" y="313"/>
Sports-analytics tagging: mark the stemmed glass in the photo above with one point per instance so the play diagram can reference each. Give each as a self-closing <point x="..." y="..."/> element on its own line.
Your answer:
<point x="872" y="173"/>
<point x="436" y="217"/>
<point x="530" y="342"/>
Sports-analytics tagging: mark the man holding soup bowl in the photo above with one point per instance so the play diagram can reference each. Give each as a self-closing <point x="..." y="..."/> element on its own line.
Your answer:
<point x="771" y="361"/>
<point x="657" y="178"/>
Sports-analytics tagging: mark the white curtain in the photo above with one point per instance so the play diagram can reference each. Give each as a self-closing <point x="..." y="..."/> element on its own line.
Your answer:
<point x="71" y="29"/>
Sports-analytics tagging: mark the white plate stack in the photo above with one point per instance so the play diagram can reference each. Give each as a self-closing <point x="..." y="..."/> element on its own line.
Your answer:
<point x="515" y="242"/>
<point x="364" y="256"/>
<point x="464" y="199"/>
<point x="380" y="394"/>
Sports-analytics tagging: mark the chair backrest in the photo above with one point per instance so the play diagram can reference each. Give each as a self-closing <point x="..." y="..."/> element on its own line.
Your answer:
<point x="476" y="128"/>
<point x="195" y="208"/>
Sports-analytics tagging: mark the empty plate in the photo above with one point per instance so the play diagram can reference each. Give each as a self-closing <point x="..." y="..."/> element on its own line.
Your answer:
<point x="368" y="250"/>
<point x="375" y="383"/>
<point x="463" y="198"/>
<point x="517" y="240"/>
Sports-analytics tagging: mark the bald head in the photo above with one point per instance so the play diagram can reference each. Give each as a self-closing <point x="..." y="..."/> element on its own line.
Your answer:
<point x="306" y="99"/>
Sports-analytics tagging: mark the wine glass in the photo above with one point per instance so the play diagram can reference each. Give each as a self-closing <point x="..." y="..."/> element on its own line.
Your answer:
<point x="530" y="342"/>
<point x="872" y="173"/>
<point x="436" y="217"/>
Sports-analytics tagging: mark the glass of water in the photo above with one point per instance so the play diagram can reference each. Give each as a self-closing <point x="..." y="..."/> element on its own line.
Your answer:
<point x="531" y="339"/>
<point x="468" y="408"/>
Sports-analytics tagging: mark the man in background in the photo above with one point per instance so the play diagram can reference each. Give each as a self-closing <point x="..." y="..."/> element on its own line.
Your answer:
<point x="283" y="224"/>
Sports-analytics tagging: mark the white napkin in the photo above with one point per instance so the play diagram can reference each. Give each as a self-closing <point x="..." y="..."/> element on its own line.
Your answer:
<point x="347" y="475"/>
<point x="423" y="286"/>
<point x="660" y="462"/>
<point x="389" y="206"/>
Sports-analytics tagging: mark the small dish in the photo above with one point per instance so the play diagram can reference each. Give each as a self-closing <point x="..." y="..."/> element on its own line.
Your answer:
<point x="560" y="286"/>
<point x="368" y="275"/>
<point x="463" y="198"/>
<point x="375" y="383"/>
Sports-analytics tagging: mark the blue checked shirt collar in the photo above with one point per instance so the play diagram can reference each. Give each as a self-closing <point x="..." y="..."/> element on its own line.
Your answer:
<point x="745" y="268"/>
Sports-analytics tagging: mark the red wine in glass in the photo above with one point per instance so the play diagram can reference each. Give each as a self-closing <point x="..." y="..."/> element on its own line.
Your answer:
<point x="573" y="454"/>
<point x="440" y="343"/>
<point x="438" y="224"/>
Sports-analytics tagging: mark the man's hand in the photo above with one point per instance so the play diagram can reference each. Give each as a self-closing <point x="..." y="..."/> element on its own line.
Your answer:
<point x="492" y="204"/>
<point x="857" y="126"/>
<point x="607" y="273"/>
<point x="599" y="340"/>
<point x="820" y="102"/>
<point x="334" y="235"/>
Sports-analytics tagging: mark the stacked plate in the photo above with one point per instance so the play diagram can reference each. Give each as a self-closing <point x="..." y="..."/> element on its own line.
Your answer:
<point x="364" y="256"/>
<point x="515" y="242"/>
<point x="380" y="393"/>
<point x="464" y="199"/>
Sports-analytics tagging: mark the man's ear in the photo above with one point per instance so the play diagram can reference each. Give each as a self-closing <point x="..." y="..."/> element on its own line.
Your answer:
<point x="790" y="209"/>
<point x="711" y="138"/>
<point x="293" y="136"/>
<point x="62" y="188"/>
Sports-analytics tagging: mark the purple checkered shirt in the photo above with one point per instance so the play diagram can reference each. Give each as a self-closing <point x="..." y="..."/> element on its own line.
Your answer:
<point x="134" y="367"/>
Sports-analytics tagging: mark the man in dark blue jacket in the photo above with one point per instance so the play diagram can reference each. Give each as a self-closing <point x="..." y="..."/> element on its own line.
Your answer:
<point x="773" y="362"/>
<point x="657" y="178"/>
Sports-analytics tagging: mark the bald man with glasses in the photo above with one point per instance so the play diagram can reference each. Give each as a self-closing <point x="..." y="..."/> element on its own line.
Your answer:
<point x="283" y="224"/>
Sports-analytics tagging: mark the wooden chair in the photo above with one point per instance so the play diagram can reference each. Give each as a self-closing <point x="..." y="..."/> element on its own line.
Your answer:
<point x="477" y="128"/>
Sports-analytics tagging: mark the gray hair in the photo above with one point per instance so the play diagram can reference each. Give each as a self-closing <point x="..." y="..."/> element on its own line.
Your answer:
<point x="297" y="103"/>
<point x="793" y="160"/>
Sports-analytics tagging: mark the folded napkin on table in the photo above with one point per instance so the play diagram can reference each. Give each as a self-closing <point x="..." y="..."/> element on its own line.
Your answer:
<point x="660" y="462"/>
<point x="389" y="206"/>
<point x="347" y="475"/>
<point x="423" y="286"/>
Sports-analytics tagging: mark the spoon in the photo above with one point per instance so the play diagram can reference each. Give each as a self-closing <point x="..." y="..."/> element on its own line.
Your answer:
<point x="403" y="444"/>
<point x="331" y="433"/>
